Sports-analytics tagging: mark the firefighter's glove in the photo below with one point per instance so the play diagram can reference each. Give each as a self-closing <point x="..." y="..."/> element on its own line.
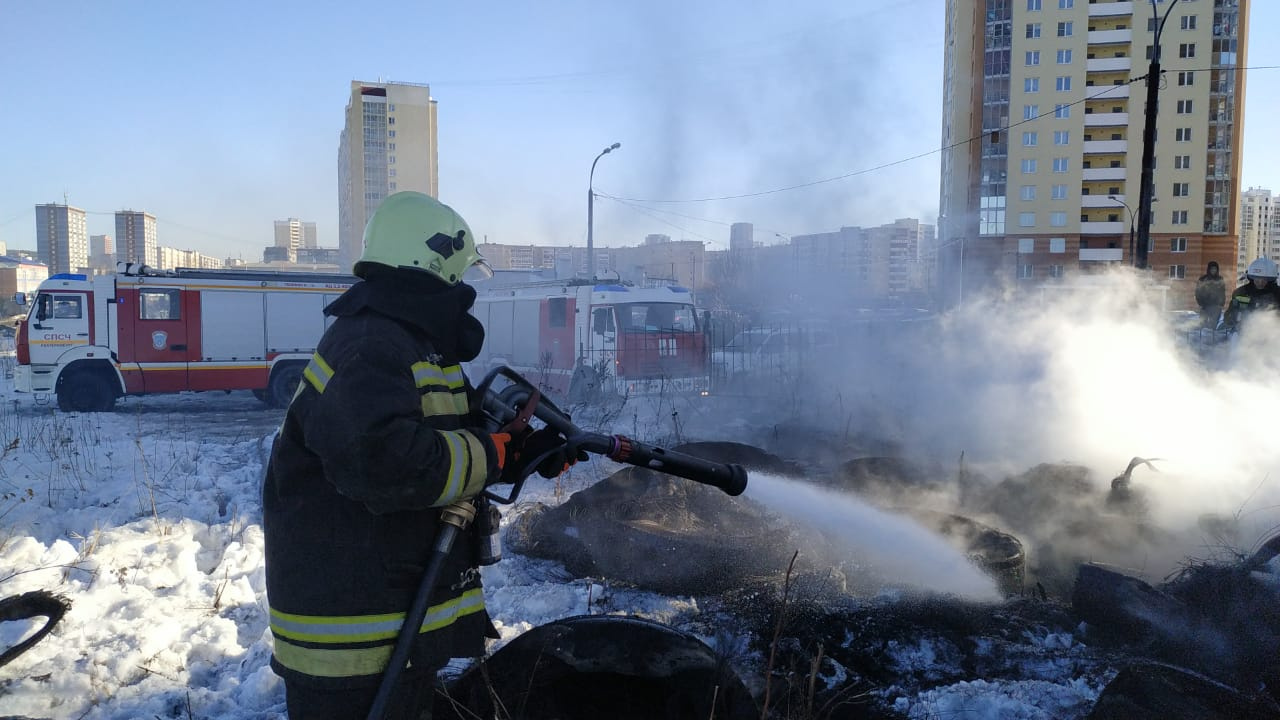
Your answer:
<point x="500" y="443"/>
<point x="550" y="443"/>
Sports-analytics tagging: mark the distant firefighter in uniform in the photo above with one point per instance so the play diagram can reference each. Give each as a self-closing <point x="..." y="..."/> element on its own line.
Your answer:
<point x="1259" y="293"/>
<point x="1211" y="294"/>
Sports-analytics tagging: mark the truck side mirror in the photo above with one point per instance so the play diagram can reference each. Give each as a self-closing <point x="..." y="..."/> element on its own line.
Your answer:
<point x="20" y="298"/>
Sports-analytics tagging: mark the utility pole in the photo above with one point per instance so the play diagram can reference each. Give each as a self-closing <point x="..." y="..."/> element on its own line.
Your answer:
<point x="1147" y="190"/>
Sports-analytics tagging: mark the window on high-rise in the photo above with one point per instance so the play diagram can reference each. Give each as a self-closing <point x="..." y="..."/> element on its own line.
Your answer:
<point x="1030" y="112"/>
<point x="1187" y="50"/>
<point x="1064" y="83"/>
<point x="1178" y="245"/>
<point x="1031" y="84"/>
<point x="1026" y="246"/>
<point x="1177" y="272"/>
<point x="1033" y="30"/>
<point x="1057" y="245"/>
<point x="1066" y="4"/>
<point x="1030" y="139"/>
<point x="1026" y="219"/>
<point x="1181" y="189"/>
<point x="1026" y="272"/>
<point x="1033" y="57"/>
<point x="1033" y="5"/>
<point x="1059" y="192"/>
<point x="1061" y="137"/>
<point x="1184" y="107"/>
<point x="1182" y="162"/>
<point x="1188" y="22"/>
<point x="1064" y="29"/>
<point x="1062" y="111"/>
<point x="1058" y="219"/>
<point x="1064" y="57"/>
<point x="1182" y="135"/>
<point x="1027" y="192"/>
<point x="1028" y="166"/>
<point x="1060" y="165"/>
<point x="1179" y="217"/>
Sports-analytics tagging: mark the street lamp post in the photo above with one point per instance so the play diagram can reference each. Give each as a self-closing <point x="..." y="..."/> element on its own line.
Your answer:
<point x="1132" y="257"/>
<point x="591" y="197"/>
<point x="1149" y="138"/>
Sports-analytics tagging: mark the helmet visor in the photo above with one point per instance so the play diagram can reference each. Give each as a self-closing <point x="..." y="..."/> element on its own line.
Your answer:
<point x="478" y="272"/>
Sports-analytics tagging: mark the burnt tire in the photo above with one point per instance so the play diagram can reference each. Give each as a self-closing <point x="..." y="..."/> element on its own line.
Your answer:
<point x="86" y="392"/>
<point x="284" y="383"/>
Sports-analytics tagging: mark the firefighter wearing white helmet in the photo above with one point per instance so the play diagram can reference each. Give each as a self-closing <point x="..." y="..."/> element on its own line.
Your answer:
<point x="381" y="434"/>
<point x="1259" y="293"/>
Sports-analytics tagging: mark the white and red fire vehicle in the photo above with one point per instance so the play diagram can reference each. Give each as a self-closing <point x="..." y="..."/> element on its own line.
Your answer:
<point x="90" y="340"/>
<point x="581" y="340"/>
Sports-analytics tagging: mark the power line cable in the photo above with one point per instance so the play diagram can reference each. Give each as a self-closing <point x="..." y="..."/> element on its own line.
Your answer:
<point x="917" y="156"/>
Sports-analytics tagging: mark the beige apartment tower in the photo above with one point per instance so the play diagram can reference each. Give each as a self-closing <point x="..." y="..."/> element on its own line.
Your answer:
<point x="1259" y="226"/>
<point x="388" y="144"/>
<point x="295" y="234"/>
<point x="62" y="238"/>
<point x="136" y="238"/>
<point x="1043" y="122"/>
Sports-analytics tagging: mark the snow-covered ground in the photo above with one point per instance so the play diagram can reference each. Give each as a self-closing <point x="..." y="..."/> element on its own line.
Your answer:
<point x="148" y="520"/>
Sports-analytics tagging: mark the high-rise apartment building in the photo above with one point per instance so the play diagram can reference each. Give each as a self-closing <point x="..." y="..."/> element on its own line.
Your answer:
<point x="136" y="237"/>
<point x="101" y="245"/>
<point x="388" y="144"/>
<point x="1259" y="226"/>
<point x="62" y="238"/>
<point x="1043" y="121"/>
<point x="295" y="234"/>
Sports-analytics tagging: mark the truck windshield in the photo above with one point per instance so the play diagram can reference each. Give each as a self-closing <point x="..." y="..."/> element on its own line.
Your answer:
<point x="656" y="317"/>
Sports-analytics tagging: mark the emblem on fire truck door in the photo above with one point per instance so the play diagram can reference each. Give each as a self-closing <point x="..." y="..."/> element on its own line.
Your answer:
<point x="158" y="339"/>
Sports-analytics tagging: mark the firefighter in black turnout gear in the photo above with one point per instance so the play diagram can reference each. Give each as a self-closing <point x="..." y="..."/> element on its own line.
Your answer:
<point x="380" y="436"/>
<point x="1259" y="292"/>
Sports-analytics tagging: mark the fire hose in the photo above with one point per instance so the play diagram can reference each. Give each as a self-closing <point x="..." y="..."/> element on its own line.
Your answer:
<point x="511" y="408"/>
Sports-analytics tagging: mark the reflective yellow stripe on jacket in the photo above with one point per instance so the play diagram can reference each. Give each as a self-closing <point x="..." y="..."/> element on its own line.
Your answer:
<point x="332" y="643"/>
<point x="318" y="373"/>
<point x="444" y="389"/>
<point x="468" y="466"/>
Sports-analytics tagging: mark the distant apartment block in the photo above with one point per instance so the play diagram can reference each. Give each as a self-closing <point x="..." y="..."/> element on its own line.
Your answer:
<point x="658" y="261"/>
<point x="294" y="233"/>
<point x="1259" y="226"/>
<point x="136" y="238"/>
<point x="62" y="238"/>
<point x="866" y="263"/>
<point x="1043" y="129"/>
<point x="388" y="144"/>
<point x="102" y="254"/>
<point x="170" y="258"/>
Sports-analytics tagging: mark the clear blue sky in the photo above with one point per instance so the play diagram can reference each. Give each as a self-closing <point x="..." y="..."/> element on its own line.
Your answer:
<point x="222" y="117"/>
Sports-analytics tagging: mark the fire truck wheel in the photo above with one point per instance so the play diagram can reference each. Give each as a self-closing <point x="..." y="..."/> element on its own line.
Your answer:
<point x="284" y="383"/>
<point x="85" y="392"/>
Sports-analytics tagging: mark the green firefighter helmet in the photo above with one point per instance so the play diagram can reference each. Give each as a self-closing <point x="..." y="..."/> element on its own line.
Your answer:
<point x="417" y="232"/>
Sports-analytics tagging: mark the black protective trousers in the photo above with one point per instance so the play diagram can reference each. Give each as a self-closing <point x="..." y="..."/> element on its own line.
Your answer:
<point x="411" y="700"/>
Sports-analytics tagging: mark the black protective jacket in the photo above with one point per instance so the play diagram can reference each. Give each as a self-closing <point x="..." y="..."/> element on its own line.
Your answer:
<point x="1211" y="288"/>
<point x="1248" y="299"/>
<point x="374" y="443"/>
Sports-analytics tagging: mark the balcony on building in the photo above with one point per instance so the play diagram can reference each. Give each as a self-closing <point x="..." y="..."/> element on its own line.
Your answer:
<point x="1103" y="228"/>
<point x="1101" y="201"/>
<point x="1111" y="64"/>
<point x="1115" y="92"/>
<point x="1110" y="37"/>
<point x="1103" y="8"/>
<point x="1101" y="254"/>
<point x="1120" y="119"/>
<point x="1109" y="147"/>
<point x="1107" y="173"/>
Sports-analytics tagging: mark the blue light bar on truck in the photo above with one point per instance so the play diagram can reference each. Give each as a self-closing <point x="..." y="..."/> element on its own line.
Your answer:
<point x="68" y="276"/>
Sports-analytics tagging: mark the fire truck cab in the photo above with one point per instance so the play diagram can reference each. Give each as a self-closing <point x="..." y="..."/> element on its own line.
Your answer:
<point x="581" y="339"/>
<point x="90" y="340"/>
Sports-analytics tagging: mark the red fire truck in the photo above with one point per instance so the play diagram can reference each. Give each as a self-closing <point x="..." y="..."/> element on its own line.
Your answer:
<point x="141" y="331"/>
<point x="582" y="339"/>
